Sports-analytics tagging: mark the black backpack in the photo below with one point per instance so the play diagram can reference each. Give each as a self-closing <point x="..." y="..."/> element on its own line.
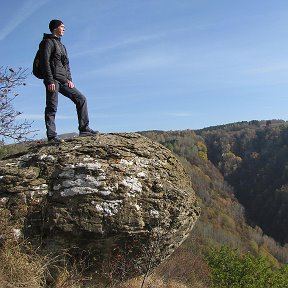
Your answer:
<point x="37" y="72"/>
<point x="37" y="65"/>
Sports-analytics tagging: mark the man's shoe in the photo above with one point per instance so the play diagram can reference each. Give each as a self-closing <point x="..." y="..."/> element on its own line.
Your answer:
<point x="88" y="132"/>
<point x="55" y="140"/>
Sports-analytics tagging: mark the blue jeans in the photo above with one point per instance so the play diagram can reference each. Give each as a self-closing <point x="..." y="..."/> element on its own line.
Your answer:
<point x="52" y="103"/>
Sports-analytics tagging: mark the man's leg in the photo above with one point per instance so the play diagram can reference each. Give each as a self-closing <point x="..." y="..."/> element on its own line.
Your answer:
<point x="50" y="112"/>
<point x="81" y="105"/>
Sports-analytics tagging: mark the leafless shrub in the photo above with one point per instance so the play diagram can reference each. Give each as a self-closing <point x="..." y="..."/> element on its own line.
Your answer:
<point x="185" y="267"/>
<point x="9" y="127"/>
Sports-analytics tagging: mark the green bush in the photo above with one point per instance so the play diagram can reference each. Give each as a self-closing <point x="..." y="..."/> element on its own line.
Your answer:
<point x="231" y="269"/>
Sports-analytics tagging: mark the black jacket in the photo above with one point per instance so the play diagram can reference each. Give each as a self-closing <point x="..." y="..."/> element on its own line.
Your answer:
<point x="55" y="62"/>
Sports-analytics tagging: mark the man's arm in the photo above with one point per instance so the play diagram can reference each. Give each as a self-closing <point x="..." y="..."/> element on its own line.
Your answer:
<point x="47" y="49"/>
<point x="67" y="68"/>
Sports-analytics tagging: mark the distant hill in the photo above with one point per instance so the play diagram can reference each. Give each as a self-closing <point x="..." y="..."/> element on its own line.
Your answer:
<point x="253" y="157"/>
<point x="223" y="217"/>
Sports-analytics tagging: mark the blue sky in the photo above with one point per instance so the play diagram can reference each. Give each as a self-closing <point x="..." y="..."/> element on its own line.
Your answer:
<point x="156" y="64"/>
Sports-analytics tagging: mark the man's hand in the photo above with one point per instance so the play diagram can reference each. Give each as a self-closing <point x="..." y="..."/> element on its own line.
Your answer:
<point x="70" y="84"/>
<point x="51" y="87"/>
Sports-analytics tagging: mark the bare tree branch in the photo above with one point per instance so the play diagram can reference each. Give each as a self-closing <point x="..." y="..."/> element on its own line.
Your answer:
<point x="9" y="126"/>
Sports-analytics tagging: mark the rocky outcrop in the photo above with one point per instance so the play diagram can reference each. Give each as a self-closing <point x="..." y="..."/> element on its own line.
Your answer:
<point x="105" y="195"/>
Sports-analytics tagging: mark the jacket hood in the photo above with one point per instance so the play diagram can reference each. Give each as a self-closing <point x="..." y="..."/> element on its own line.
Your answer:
<point x="50" y="36"/>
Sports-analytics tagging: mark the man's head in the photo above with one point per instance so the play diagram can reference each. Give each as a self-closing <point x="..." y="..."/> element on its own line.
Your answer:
<point x="57" y="27"/>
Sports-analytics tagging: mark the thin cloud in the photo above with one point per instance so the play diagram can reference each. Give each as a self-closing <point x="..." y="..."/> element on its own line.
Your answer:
<point x="136" y="64"/>
<point x="120" y="44"/>
<point x="24" y="12"/>
<point x="181" y="114"/>
<point x="272" y="68"/>
<point x="41" y="117"/>
<point x="136" y="40"/>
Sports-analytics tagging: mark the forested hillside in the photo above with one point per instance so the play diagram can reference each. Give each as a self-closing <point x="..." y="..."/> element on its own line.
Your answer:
<point x="222" y="219"/>
<point x="253" y="157"/>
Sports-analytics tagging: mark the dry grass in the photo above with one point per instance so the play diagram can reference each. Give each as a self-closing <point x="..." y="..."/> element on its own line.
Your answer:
<point x="22" y="267"/>
<point x="152" y="282"/>
<point x="186" y="268"/>
<point x="67" y="278"/>
<point x="182" y="270"/>
<point x="19" y="269"/>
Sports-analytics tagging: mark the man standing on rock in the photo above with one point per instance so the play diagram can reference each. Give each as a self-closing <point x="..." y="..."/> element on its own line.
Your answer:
<point x="55" y="68"/>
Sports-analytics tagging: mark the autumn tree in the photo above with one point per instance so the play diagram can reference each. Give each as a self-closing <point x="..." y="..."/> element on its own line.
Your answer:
<point x="9" y="126"/>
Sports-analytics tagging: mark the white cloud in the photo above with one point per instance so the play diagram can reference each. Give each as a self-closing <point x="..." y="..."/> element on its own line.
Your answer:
<point x="119" y="44"/>
<point x="41" y="117"/>
<point x="135" y="40"/>
<point x="139" y="63"/>
<point x="25" y="11"/>
<point x="270" y="68"/>
<point x="181" y="114"/>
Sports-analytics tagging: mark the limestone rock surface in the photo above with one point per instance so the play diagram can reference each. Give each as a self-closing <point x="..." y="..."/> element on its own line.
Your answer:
<point x="99" y="194"/>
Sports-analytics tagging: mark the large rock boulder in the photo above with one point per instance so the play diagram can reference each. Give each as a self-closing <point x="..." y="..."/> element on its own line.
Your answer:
<point x="109" y="195"/>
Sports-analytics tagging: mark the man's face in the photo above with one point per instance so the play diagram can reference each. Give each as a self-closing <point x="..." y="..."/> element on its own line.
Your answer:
<point x="59" y="32"/>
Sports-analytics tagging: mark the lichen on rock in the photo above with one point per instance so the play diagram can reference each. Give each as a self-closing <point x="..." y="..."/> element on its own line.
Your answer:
<point x="97" y="193"/>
